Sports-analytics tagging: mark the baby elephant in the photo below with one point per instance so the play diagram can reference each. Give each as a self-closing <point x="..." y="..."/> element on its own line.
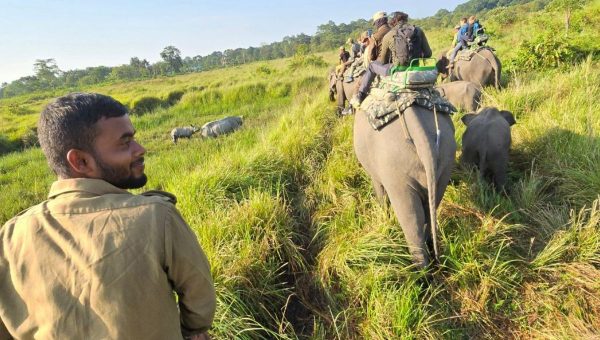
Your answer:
<point x="486" y="143"/>
<point x="183" y="132"/>
<point x="462" y="94"/>
<point x="221" y="126"/>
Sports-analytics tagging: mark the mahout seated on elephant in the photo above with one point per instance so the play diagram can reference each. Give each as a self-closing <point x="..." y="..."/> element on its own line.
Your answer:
<point x="486" y="143"/>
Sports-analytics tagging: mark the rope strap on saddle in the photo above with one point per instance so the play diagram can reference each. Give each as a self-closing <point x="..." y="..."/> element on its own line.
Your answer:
<point x="468" y="54"/>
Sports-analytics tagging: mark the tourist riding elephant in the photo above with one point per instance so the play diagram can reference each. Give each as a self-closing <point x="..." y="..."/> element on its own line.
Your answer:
<point x="462" y="94"/>
<point x="486" y="143"/>
<point x="483" y="69"/>
<point x="404" y="162"/>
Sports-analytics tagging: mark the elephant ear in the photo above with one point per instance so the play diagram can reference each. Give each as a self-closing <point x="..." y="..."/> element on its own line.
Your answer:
<point x="467" y="118"/>
<point x="508" y="116"/>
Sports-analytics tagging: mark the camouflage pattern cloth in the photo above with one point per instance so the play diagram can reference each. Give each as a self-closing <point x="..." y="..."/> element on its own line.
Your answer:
<point x="356" y="69"/>
<point x="382" y="107"/>
<point x="467" y="54"/>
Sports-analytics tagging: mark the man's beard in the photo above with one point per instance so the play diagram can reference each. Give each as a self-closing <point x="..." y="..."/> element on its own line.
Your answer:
<point x="119" y="177"/>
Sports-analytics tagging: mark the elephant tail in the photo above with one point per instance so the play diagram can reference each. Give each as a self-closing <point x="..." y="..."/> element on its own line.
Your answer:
<point x="432" y="194"/>
<point x="428" y="152"/>
<point x="495" y="63"/>
<point x="497" y="74"/>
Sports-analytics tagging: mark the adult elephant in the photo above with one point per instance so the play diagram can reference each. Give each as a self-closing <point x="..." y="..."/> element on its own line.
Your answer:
<point x="332" y="80"/>
<point x="462" y="94"/>
<point x="484" y="68"/>
<point x="345" y="91"/>
<point x="341" y="91"/>
<point x="407" y="165"/>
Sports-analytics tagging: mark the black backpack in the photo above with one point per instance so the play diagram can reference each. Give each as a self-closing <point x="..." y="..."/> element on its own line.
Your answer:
<point x="408" y="44"/>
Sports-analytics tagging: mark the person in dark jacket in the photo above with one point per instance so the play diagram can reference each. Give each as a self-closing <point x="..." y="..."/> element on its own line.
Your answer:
<point x="344" y="56"/>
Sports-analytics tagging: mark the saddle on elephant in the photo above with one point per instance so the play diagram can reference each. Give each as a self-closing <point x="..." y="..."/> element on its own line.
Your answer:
<point x="405" y="86"/>
<point x="417" y="75"/>
<point x="382" y="106"/>
<point x="468" y="54"/>
<point x="355" y="70"/>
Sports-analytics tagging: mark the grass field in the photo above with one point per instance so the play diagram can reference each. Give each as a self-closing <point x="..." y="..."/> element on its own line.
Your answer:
<point x="298" y="245"/>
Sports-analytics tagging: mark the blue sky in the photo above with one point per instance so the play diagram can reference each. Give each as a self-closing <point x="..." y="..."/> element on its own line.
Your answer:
<point x="78" y="34"/>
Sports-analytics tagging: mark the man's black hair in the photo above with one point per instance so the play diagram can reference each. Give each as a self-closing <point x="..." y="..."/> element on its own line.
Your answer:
<point x="380" y="22"/>
<point x="396" y="17"/>
<point x="69" y="122"/>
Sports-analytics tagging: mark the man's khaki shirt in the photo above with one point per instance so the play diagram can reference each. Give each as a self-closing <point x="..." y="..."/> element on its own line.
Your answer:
<point x="97" y="262"/>
<point x="378" y="37"/>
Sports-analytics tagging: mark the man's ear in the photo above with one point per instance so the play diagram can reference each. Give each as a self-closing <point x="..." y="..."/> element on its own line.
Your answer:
<point x="81" y="163"/>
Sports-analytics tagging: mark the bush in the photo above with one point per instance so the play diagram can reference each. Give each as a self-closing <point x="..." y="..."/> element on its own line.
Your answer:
<point x="264" y="70"/>
<point x="279" y="90"/>
<point x="309" y="60"/>
<point x="196" y="88"/>
<point x="7" y="145"/>
<point x="145" y="104"/>
<point x="30" y="138"/>
<point x="546" y="51"/>
<point x="174" y="97"/>
<point x="245" y="93"/>
<point x="19" y="110"/>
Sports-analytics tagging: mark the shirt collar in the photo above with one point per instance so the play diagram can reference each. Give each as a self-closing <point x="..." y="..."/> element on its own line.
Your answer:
<point x="90" y="185"/>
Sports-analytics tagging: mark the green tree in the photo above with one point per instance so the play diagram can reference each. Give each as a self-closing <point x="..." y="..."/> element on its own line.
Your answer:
<point x="172" y="56"/>
<point x="46" y="72"/>
<point x="566" y="6"/>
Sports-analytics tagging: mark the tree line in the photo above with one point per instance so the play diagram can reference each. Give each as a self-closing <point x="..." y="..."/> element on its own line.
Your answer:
<point x="48" y="76"/>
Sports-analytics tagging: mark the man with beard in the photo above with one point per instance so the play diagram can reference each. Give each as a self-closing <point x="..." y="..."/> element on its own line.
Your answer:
<point x="95" y="261"/>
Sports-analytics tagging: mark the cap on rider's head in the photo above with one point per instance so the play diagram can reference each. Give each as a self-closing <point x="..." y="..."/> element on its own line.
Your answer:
<point x="378" y="15"/>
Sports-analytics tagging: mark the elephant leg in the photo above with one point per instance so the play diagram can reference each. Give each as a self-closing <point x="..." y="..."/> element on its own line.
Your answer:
<point x="410" y="213"/>
<point x="469" y="157"/>
<point x="379" y="192"/>
<point x="498" y="170"/>
<point x="341" y="97"/>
